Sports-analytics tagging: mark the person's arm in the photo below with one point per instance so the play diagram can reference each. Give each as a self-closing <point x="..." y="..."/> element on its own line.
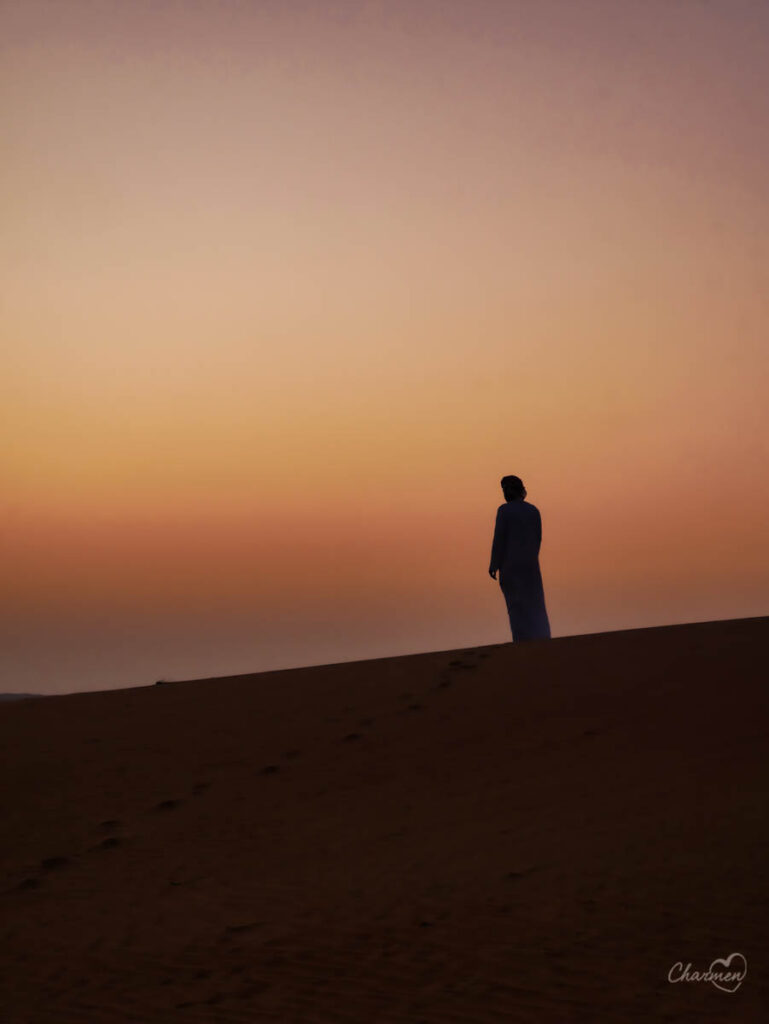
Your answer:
<point x="498" y="543"/>
<point x="539" y="532"/>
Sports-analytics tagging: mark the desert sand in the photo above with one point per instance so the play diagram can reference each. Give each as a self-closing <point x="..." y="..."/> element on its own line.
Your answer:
<point x="533" y="832"/>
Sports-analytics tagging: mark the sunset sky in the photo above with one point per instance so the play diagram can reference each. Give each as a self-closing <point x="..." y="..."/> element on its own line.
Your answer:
<point x="289" y="286"/>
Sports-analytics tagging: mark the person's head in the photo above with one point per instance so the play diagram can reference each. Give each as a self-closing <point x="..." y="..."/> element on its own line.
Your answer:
<point x="512" y="488"/>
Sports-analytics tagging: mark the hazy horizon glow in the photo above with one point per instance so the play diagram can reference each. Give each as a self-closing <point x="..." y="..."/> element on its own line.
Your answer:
<point x="291" y="286"/>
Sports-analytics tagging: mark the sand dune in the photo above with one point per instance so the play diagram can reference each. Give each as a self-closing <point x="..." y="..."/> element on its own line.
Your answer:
<point x="510" y="833"/>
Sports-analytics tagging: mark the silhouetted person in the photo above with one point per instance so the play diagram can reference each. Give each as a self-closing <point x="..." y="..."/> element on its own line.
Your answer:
<point x="515" y="553"/>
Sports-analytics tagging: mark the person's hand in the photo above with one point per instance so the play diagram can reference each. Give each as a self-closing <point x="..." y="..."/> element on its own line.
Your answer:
<point x="493" y="573"/>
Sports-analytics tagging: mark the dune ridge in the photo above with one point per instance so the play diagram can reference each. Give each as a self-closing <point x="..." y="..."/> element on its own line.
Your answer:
<point x="532" y="832"/>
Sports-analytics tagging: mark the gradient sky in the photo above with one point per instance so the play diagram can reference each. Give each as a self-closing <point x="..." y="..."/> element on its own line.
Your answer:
<point x="290" y="286"/>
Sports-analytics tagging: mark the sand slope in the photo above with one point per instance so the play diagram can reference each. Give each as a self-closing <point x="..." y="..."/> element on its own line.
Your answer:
<point x="513" y="833"/>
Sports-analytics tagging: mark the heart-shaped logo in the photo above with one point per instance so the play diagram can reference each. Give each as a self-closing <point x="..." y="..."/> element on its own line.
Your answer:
<point x="728" y="974"/>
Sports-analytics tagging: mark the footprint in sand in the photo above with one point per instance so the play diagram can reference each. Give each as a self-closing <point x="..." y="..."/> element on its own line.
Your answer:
<point x="51" y="863"/>
<point x="200" y="787"/>
<point x="110" y="843"/>
<point x="167" y="805"/>
<point x="270" y="769"/>
<point x="110" y="824"/>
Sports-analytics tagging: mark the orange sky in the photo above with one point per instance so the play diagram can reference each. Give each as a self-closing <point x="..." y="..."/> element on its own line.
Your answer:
<point x="290" y="286"/>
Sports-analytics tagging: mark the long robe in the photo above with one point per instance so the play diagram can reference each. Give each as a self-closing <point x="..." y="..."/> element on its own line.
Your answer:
<point x="515" y="554"/>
